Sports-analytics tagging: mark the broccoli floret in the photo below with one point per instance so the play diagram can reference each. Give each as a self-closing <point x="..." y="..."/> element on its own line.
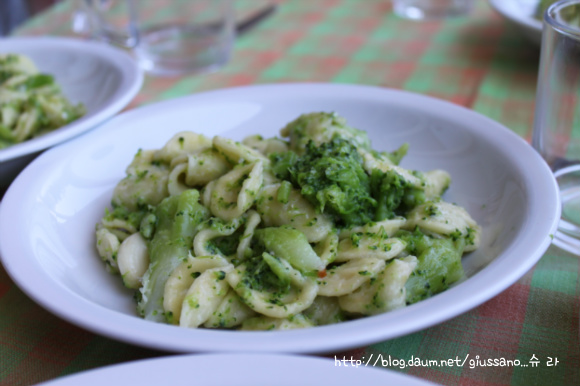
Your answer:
<point x="282" y="162"/>
<point x="439" y="264"/>
<point x="326" y="163"/>
<point x="394" y="195"/>
<point x="260" y="277"/>
<point x="331" y="177"/>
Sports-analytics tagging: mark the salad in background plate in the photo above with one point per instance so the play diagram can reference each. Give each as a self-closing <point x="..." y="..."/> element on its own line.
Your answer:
<point x="102" y="78"/>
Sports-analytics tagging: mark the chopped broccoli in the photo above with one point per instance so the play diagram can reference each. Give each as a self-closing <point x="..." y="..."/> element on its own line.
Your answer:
<point x="394" y="194"/>
<point x="282" y="162"/>
<point x="259" y="276"/>
<point x="331" y="177"/>
<point x="439" y="264"/>
<point x="389" y="188"/>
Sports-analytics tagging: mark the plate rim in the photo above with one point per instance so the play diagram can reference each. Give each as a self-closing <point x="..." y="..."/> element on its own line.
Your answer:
<point x="172" y="368"/>
<point x="132" y="81"/>
<point x="221" y="341"/>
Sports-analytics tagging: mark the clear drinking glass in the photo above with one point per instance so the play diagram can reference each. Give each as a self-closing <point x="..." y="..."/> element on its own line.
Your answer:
<point x="167" y="37"/>
<point x="556" y="134"/>
<point x="431" y="9"/>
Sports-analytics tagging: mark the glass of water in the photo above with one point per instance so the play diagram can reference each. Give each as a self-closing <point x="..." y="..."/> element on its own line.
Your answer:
<point x="431" y="9"/>
<point x="167" y="37"/>
<point x="556" y="134"/>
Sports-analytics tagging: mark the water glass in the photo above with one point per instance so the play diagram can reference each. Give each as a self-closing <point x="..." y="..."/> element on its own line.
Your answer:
<point x="167" y="37"/>
<point x="556" y="133"/>
<point x="431" y="9"/>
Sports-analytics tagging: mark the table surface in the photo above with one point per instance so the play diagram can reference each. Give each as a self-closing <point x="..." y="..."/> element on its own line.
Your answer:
<point x="480" y="62"/>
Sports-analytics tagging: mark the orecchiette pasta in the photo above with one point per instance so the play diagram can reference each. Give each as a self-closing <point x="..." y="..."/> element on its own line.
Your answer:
<point x="133" y="260"/>
<point x="237" y="153"/>
<point x="204" y="297"/>
<point x="204" y="167"/>
<point x="176" y="184"/>
<point x="181" y="280"/>
<point x="235" y="192"/>
<point x="202" y="241"/>
<point x="385" y="292"/>
<point x="266" y="146"/>
<point x="231" y="312"/>
<point x="246" y="239"/>
<point x="182" y="143"/>
<point x="327" y="248"/>
<point x="295" y="211"/>
<point x="293" y="302"/>
<point x="197" y="169"/>
<point x="275" y="234"/>
<point x="145" y="183"/>
<point x="445" y="219"/>
<point x="347" y="277"/>
<point x="385" y="227"/>
<point x="108" y="247"/>
<point x="324" y="310"/>
<point x="373" y="245"/>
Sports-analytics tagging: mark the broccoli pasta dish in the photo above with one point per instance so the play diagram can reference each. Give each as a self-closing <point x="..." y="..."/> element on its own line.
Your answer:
<point x="31" y="103"/>
<point x="309" y="229"/>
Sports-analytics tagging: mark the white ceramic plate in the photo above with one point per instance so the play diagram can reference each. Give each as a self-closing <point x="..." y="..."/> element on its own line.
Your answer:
<point x="48" y="216"/>
<point x="521" y="13"/>
<point x="103" y="78"/>
<point x="242" y="370"/>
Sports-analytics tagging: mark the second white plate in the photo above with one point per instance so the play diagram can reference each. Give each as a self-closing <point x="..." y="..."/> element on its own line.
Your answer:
<point x="241" y="370"/>
<point x="103" y="78"/>
<point x="522" y="14"/>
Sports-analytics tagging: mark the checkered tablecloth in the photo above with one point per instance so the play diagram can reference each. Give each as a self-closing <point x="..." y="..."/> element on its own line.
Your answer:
<point x="480" y="62"/>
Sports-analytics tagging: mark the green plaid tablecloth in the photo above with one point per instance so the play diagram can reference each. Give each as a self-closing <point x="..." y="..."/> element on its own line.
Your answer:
<point x="480" y="62"/>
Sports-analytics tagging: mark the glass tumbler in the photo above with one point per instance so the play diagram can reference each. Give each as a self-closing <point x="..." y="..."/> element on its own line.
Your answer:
<point x="167" y="37"/>
<point x="556" y="132"/>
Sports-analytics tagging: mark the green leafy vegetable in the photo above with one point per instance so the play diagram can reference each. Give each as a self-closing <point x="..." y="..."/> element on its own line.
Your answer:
<point x="31" y="103"/>
<point x="439" y="264"/>
<point x="260" y="276"/>
<point x="177" y="221"/>
<point x="37" y="81"/>
<point x="291" y="245"/>
<point x="331" y="177"/>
